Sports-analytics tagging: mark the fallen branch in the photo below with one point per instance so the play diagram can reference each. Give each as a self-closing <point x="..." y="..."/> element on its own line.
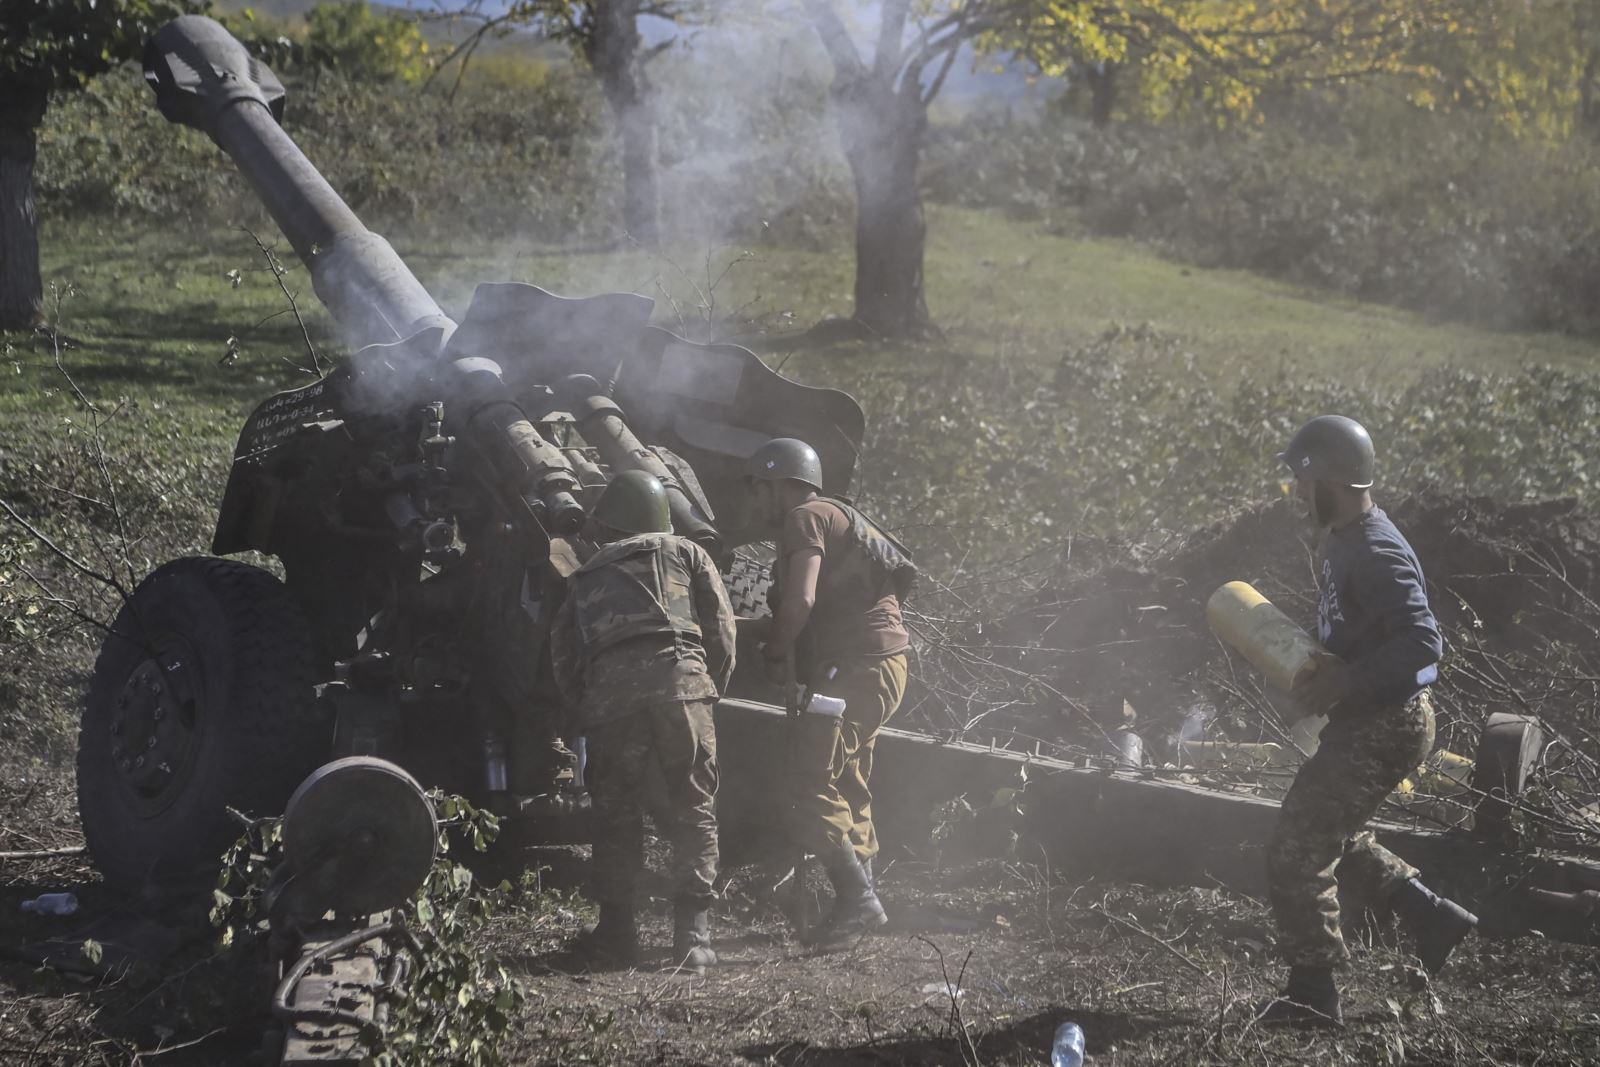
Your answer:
<point x="1134" y="927"/>
<point x="44" y="853"/>
<point x="955" y="1021"/>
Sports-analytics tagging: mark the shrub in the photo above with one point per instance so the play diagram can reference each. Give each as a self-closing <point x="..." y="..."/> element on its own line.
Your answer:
<point x="1444" y="214"/>
<point x="980" y="462"/>
<point x="522" y="160"/>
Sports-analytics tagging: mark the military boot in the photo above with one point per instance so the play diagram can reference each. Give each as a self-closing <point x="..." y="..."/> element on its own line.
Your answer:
<point x="1438" y="924"/>
<point x="691" y="937"/>
<point x="611" y="942"/>
<point x="856" y="908"/>
<point x="1310" y="999"/>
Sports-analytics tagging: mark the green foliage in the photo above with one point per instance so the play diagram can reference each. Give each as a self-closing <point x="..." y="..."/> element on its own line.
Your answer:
<point x="72" y="475"/>
<point x="60" y="44"/>
<point x="1220" y="60"/>
<point x="496" y="160"/>
<point x="19" y="603"/>
<point x="980" y="463"/>
<point x="457" y="1006"/>
<point x="524" y="149"/>
<point x="1446" y="214"/>
<point x="364" y="45"/>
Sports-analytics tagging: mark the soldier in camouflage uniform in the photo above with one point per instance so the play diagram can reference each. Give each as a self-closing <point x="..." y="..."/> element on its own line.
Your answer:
<point x="642" y="647"/>
<point x="1383" y="650"/>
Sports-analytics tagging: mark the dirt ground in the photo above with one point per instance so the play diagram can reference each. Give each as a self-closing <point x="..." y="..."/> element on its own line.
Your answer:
<point x="1154" y="976"/>
<point x="984" y="958"/>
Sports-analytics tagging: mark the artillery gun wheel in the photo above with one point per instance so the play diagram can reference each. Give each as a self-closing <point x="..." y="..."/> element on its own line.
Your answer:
<point x="202" y="699"/>
<point x="747" y="580"/>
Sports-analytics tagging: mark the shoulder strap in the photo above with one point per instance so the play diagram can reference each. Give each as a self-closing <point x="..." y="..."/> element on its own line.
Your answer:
<point x="891" y="559"/>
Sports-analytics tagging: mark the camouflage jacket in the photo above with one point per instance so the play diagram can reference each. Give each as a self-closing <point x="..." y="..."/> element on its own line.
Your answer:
<point x="646" y="619"/>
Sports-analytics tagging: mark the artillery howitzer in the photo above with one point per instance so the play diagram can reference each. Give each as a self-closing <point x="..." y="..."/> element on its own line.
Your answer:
<point x="426" y="501"/>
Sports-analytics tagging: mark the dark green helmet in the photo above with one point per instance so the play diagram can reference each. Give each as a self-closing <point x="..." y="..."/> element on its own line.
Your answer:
<point x="787" y="458"/>
<point x="634" y="502"/>
<point x="1331" y="448"/>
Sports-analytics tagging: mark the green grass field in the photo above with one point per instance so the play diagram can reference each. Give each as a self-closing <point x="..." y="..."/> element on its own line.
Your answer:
<point x="979" y="469"/>
<point x="150" y="311"/>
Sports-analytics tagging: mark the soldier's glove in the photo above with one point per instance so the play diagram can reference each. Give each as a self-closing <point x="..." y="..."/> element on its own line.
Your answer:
<point x="1327" y="688"/>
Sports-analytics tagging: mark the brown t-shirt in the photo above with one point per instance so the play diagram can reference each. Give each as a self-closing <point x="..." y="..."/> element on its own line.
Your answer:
<point x="857" y="616"/>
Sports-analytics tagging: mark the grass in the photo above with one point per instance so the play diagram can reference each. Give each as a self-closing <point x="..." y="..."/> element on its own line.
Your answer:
<point x="152" y="311"/>
<point x="149" y="320"/>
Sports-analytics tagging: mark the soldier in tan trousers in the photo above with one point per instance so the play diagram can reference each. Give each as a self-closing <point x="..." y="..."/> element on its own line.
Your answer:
<point x="837" y="585"/>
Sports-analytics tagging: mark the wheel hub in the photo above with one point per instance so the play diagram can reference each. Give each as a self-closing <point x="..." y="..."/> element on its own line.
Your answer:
<point x="359" y="836"/>
<point x="155" y="727"/>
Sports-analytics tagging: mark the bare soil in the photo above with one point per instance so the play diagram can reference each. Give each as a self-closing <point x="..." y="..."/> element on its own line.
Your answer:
<point x="985" y="957"/>
<point x="1154" y="976"/>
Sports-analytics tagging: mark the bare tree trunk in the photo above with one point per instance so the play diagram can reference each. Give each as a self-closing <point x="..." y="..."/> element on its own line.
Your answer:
<point x="640" y="197"/>
<point x="882" y="132"/>
<point x="613" y="48"/>
<point x="21" y="290"/>
<point x="1102" y="79"/>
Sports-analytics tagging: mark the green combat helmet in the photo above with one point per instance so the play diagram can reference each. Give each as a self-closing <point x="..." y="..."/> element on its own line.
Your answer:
<point x="1331" y="448"/>
<point x="787" y="458"/>
<point x="634" y="502"/>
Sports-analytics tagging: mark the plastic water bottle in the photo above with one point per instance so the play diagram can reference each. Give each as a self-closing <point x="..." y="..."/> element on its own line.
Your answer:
<point x="1068" y="1048"/>
<point x="52" y="904"/>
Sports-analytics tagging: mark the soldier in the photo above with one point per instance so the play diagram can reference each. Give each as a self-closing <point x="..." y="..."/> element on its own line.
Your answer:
<point x="642" y="647"/>
<point x="1383" y="650"/>
<point x="837" y="586"/>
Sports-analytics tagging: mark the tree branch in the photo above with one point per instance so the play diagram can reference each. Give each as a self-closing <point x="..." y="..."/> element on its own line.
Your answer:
<point x="655" y="50"/>
<point x="66" y="557"/>
<point x="945" y="39"/>
<point x="938" y="79"/>
<point x="278" y="271"/>
<point x="891" y="36"/>
<point x="835" y="39"/>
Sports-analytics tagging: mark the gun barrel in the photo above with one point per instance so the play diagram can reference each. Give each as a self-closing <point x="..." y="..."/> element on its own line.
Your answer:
<point x="602" y="425"/>
<point x="204" y="78"/>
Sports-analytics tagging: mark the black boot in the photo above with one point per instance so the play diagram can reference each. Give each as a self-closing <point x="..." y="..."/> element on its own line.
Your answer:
<point x="1310" y="999"/>
<point x="611" y="942"/>
<point x="1438" y="924"/>
<point x="856" y="908"/>
<point x="691" y="937"/>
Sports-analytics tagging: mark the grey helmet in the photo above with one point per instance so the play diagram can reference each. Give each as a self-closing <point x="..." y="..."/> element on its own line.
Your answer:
<point x="786" y="458"/>
<point x="1331" y="448"/>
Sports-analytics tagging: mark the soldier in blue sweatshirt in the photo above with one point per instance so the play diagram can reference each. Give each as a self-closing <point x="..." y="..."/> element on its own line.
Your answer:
<point x="1383" y="650"/>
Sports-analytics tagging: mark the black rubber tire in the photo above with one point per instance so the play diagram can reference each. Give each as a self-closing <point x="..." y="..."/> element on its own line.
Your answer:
<point x="747" y="580"/>
<point x="252" y="726"/>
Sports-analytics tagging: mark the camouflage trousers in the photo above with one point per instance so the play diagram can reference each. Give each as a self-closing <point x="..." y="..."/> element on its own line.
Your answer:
<point x="830" y="768"/>
<point x="1362" y="757"/>
<point x="672" y="742"/>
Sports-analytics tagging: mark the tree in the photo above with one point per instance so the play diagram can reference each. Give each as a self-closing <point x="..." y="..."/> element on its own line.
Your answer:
<point x="1192" y="52"/>
<point x="604" y="34"/>
<point x="348" y="36"/>
<point x="50" y="46"/>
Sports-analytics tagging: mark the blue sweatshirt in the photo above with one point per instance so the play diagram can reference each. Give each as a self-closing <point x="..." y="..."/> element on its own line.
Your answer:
<point x="1373" y="612"/>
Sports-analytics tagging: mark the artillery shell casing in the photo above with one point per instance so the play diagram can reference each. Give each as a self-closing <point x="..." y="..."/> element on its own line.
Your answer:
<point x="1269" y="639"/>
